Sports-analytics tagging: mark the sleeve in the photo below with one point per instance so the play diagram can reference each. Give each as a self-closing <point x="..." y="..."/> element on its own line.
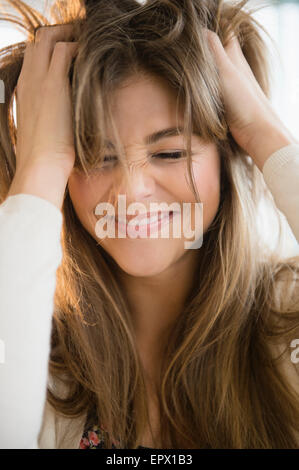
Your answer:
<point x="30" y="253"/>
<point x="281" y="175"/>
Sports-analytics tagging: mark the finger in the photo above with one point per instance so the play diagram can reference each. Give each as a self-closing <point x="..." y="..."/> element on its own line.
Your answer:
<point x="54" y="32"/>
<point x="232" y="56"/>
<point x="24" y="74"/>
<point x="237" y="57"/>
<point x="235" y="53"/>
<point x="222" y="60"/>
<point x="62" y="56"/>
<point x="231" y="51"/>
<point x="27" y="60"/>
<point x="45" y="39"/>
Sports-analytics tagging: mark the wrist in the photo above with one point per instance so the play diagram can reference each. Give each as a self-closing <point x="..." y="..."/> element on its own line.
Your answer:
<point x="267" y="141"/>
<point x="42" y="181"/>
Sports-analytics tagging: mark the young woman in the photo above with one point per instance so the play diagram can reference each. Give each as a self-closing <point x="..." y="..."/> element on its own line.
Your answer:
<point x="131" y="342"/>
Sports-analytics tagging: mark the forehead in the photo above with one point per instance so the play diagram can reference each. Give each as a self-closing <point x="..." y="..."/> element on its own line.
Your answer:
<point x="158" y="136"/>
<point x="143" y="99"/>
<point x="145" y="110"/>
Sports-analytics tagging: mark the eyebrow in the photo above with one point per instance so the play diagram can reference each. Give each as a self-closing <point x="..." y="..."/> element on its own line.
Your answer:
<point x="159" y="135"/>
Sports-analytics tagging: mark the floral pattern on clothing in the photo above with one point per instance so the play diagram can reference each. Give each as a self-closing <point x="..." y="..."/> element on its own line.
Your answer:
<point x="94" y="438"/>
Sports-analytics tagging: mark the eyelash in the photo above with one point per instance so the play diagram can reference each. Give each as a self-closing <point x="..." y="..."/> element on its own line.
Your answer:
<point x="166" y="155"/>
<point x="178" y="155"/>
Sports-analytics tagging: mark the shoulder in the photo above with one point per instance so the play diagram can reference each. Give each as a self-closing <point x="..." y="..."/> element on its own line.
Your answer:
<point x="285" y="306"/>
<point x="284" y="303"/>
<point x="286" y="286"/>
<point x="58" y="431"/>
<point x="47" y="434"/>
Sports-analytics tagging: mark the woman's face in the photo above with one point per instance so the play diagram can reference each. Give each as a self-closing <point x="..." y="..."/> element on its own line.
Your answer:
<point x="143" y="106"/>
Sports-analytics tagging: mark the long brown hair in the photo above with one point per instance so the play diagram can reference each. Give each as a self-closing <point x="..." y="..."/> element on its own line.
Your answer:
<point x="220" y="385"/>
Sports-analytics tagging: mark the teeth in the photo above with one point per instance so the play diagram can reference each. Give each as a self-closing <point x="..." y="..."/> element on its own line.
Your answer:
<point x="145" y="221"/>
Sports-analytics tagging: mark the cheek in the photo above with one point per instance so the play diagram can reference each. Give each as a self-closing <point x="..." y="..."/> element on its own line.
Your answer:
<point x="85" y="195"/>
<point x="207" y="181"/>
<point x="206" y="170"/>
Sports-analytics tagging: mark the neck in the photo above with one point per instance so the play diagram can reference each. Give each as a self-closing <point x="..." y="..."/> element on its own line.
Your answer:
<point x="156" y="302"/>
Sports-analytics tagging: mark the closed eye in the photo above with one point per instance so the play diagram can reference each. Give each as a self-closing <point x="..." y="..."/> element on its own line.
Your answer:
<point x="111" y="160"/>
<point x="172" y="155"/>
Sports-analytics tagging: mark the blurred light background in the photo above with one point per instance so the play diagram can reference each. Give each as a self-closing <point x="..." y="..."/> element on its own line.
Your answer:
<point x="280" y="18"/>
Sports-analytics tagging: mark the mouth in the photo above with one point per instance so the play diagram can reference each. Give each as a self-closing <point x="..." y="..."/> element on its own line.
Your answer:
<point x="147" y="219"/>
<point x="145" y="225"/>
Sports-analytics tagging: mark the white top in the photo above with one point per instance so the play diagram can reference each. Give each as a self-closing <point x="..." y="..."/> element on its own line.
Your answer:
<point x="30" y="253"/>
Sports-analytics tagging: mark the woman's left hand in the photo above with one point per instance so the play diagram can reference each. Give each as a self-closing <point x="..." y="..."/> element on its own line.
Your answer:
<point x="251" y="119"/>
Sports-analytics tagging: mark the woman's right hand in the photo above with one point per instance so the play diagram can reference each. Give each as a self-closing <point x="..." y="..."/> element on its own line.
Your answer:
<point x="45" y="153"/>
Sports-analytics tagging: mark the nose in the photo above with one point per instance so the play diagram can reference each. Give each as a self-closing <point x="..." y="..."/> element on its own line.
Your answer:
<point x="140" y="183"/>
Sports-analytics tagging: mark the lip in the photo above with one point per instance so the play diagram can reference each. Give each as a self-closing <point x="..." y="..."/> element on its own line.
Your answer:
<point x="146" y="229"/>
<point x="146" y="215"/>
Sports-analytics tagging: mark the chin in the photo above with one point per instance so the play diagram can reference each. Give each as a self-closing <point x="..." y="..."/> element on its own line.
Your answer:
<point x="141" y="271"/>
<point x="142" y="260"/>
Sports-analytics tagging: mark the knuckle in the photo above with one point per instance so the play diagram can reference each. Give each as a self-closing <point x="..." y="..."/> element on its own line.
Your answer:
<point x="45" y="32"/>
<point x="62" y="52"/>
<point x="209" y="32"/>
<point x="41" y="32"/>
<point x="50" y="31"/>
<point x="214" y="39"/>
<point x="60" y="47"/>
